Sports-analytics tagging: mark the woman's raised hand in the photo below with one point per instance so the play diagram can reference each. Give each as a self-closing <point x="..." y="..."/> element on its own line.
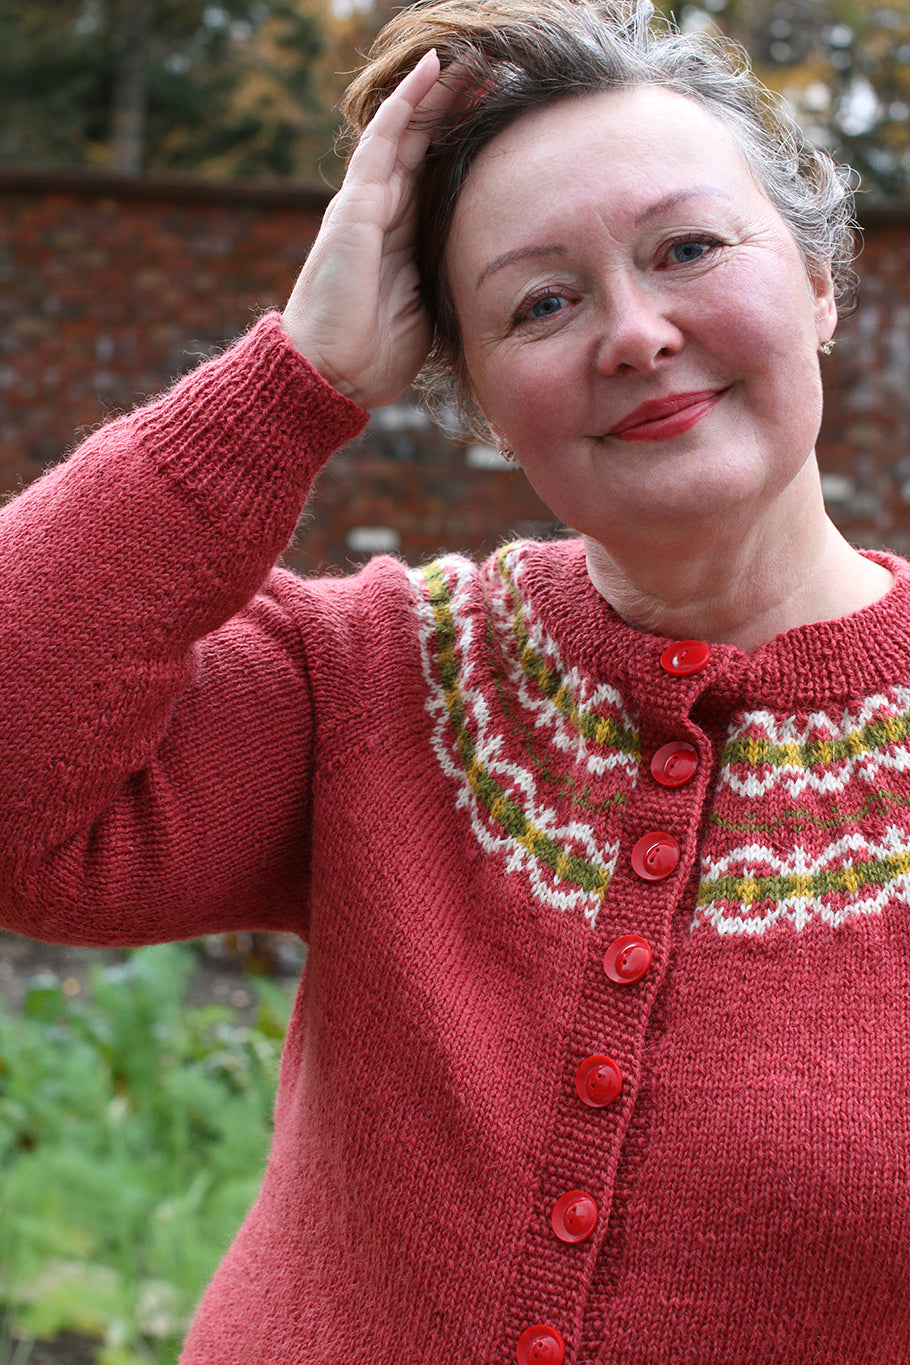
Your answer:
<point x="355" y="311"/>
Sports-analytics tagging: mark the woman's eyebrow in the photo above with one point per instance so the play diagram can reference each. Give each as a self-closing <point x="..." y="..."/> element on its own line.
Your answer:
<point x="670" y="201"/>
<point x="521" y="253"/>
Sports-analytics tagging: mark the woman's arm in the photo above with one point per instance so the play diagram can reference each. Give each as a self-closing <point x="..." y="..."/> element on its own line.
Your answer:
<point x="154" y="710"/>
<point x="154" y="720"/>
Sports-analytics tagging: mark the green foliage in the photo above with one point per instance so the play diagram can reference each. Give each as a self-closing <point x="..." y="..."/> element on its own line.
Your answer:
<point x="133" y="1134"/>
<point x="223" y="89"/>
<point x="843" y="64"/>
<point x="228" y="88"/>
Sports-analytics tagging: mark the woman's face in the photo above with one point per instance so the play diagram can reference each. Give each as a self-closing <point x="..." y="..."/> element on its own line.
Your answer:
<point x="638" y="323"/>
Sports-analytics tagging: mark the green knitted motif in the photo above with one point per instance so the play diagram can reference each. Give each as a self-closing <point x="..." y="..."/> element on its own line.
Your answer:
<point x="754" y="752"/>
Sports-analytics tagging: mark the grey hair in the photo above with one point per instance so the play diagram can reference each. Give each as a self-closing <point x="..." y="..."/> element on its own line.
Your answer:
<point x="516" y="56"/>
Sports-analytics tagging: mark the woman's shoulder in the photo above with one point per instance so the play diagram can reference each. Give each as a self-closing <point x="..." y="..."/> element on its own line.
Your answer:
<point x="386" y="600"/>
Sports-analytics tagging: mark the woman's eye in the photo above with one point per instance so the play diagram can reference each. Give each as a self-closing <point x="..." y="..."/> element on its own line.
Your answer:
<point x="545" y="307"/>
<point x="684" y="253"/>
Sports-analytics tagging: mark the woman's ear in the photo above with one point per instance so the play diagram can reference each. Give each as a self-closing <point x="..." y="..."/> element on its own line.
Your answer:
<point x="822" y="286"/>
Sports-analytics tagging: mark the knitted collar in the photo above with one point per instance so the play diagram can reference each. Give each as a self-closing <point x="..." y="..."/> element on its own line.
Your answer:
<point x="810" y="666"/>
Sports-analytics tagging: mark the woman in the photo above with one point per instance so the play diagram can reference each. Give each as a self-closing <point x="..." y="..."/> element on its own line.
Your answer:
<point x="601" y="848"/>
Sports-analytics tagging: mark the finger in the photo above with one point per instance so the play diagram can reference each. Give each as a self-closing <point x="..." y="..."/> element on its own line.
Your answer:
<point x="377" y="150"/>
<point x="402" y="128"/>
<point x="448" y="93"/>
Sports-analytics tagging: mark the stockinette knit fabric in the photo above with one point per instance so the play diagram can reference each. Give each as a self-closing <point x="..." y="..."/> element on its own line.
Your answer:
<point x="535" y="969"/>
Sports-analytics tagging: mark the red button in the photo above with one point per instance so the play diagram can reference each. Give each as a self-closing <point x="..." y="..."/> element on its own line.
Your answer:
<point x="685" y="657"/>
<point x="675" y="763"/>
<point x="655" y="856"/>
<point x="541" y="1346"/>
<point x="574" y="1216"/>
<point x="627" y="959"/>
<point x="598" y="1081"/>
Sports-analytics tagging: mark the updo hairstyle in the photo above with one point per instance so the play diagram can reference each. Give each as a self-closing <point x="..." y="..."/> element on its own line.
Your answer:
<point x="517" y="56"/>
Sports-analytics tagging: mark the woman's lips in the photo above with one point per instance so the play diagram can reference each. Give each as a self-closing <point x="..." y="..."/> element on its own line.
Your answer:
<point x="666" y="417"/>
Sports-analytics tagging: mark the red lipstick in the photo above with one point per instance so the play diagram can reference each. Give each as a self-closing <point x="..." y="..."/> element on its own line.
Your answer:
<point x="665" y="417"/>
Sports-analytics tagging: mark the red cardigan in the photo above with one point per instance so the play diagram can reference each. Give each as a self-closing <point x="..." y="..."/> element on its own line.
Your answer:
<point x="602" y="1052"/>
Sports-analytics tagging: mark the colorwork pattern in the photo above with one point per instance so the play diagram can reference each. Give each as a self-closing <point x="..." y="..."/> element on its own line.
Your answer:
<point x="811" y="819"/>
<point x="540" y="756"/>
<point x="808" y="820"/>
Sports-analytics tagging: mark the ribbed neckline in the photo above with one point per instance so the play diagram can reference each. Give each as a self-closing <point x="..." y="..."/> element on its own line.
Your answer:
<point x="810" y="666"/>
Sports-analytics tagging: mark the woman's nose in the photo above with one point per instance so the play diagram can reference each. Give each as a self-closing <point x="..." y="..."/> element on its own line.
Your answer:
<point x="637" y="331"/>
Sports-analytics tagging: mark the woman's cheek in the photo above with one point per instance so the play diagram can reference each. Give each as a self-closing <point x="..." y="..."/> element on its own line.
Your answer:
<point x="535" y="375"/>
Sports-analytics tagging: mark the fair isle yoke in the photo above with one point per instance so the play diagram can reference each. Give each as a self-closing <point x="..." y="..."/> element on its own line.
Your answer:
<point x="809" y="818"/>
<point x="523" y="763"/>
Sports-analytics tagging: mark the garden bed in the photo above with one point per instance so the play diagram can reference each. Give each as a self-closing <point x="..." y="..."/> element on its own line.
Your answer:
<point x="136" y="1092"/>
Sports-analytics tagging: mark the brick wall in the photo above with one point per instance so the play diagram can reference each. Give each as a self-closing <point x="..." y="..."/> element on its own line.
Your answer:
<point x="864" y="448"/>
<point x="109" y="288"/>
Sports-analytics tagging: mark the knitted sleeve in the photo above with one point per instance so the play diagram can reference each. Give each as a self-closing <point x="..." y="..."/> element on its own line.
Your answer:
<point x="154" y="720"/>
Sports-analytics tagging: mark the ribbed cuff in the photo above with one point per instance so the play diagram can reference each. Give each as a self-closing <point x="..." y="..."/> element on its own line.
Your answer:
<point x="247" y="432"/>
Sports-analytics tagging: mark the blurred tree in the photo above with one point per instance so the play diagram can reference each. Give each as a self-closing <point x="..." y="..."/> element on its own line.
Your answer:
<point x="233" y="88"/>
<point x="130" y="86"/>
<point x="348" y="27"/>
<point x="220" y="87"/>
<point x="844" y="65"/>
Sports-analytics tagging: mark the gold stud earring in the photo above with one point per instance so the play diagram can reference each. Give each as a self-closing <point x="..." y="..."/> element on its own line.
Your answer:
<point x="828" y="346"/>
<point x="507" y="454"/>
